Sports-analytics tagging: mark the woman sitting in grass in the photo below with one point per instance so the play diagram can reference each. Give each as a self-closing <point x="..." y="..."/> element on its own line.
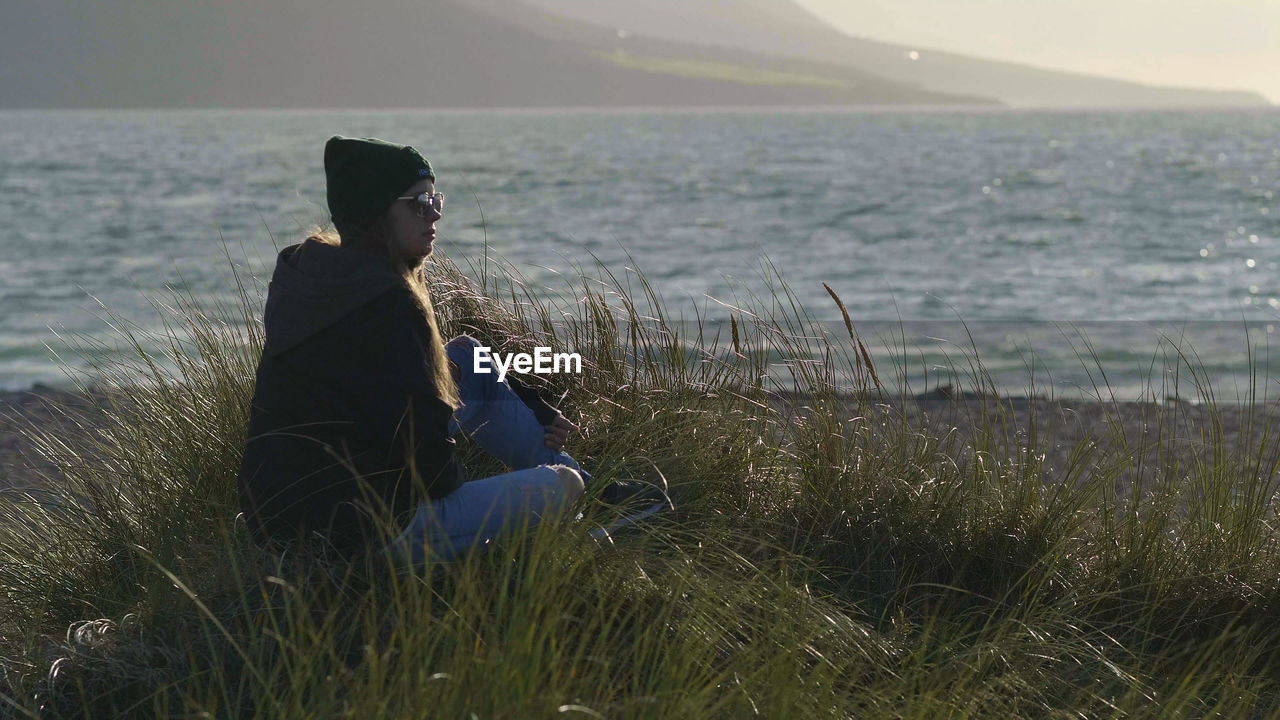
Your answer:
<point x="358" y="397"/>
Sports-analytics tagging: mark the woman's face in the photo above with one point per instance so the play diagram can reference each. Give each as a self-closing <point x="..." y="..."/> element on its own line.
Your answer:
<point x="412" y="237"/>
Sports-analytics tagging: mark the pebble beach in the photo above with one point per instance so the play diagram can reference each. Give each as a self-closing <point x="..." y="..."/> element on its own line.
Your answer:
<point x="1172" y="430"/>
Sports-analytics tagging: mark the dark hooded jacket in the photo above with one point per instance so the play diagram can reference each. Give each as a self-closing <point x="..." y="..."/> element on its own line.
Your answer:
<point x="344" y="407"/>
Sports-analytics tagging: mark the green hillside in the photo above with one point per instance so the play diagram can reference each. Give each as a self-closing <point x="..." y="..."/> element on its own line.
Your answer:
<point x="782" y="28"/>
<point x="435" y="54"/>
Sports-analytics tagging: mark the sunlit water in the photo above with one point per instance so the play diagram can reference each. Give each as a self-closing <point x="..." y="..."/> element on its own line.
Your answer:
<point x="1052" y="235"/>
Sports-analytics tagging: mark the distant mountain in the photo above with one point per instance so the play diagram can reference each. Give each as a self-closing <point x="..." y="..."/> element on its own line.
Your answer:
<point x="784" y="28"/>
<point x="393" y="53"/>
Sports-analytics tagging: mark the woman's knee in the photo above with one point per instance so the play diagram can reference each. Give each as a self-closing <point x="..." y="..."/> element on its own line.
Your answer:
<point x="461" y="350"/>
<point x="463" y="342"/>
<point x="573" y="485"/>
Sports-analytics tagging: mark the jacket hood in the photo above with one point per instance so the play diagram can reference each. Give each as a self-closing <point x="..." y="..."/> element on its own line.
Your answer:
<point x="315" y="285"/>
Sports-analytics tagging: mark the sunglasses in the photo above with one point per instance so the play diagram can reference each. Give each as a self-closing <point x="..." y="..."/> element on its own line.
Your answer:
<point x="425" y="202"/>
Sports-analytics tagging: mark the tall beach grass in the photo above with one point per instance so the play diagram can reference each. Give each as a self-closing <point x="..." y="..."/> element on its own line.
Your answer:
<point x="832" y="555"/>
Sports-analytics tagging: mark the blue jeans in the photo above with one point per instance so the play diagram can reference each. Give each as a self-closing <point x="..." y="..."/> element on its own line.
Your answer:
<point x="478" y="511"/>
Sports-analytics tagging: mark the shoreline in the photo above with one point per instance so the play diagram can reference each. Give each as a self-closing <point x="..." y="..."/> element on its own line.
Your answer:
<point x="1170" y="438"/>
<point x="1182" y="428"/>
<point x="40" y="405"/>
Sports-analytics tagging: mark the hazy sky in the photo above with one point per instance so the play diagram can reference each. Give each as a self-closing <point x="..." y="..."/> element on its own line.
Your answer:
<point x="1228" y="44"/>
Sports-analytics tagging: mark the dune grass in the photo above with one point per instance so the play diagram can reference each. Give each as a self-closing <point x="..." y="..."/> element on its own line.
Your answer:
<point x="830" y="557"/>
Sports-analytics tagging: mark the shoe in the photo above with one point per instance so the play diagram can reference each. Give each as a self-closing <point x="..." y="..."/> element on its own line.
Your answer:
<point x="636" y="501"/>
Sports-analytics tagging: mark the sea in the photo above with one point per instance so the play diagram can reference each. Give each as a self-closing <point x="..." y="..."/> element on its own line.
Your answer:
<point x="1104" y="254"/>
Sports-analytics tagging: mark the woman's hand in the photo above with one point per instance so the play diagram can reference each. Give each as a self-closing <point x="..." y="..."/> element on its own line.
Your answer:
<point x="558" y="432"/>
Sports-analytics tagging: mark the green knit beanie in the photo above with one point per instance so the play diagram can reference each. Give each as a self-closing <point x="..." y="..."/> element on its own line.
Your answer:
<point x="365" y="175"/>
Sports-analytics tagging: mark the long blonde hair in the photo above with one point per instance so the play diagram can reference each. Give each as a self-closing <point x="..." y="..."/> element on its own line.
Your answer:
<point x="415" y="279"/>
